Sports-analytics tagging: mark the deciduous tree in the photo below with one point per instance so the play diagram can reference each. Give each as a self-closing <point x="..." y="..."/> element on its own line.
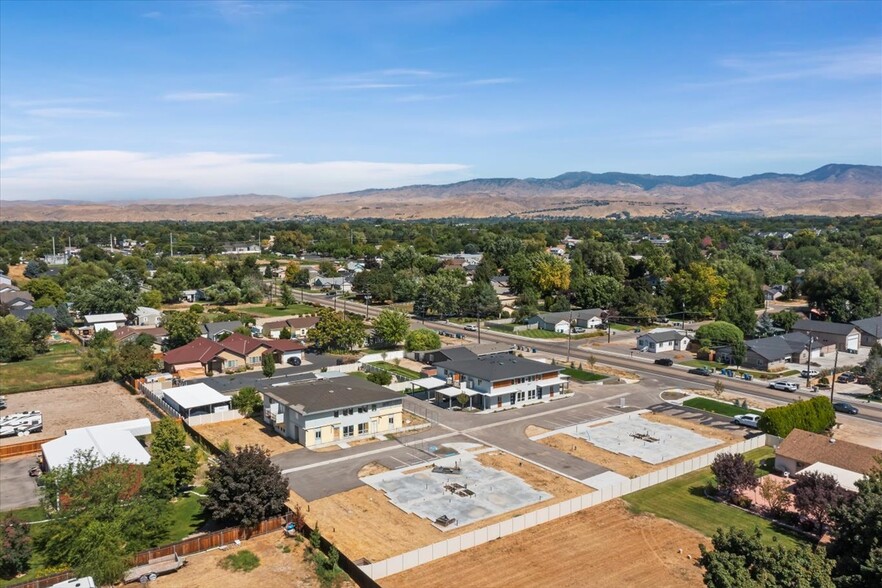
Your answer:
<point x="856" y="528"/>
<point x="390" y="326"/>
<point x="245" y="487"/>
<point x="135" y="360"/>
<point x="268" y="365"/>
<point x="734" y="474"/>
<point x="169" y="454"/>
<point x="16" y="543"/>
<point x="815" y="495"/>
<point x="247" y="401"/>
<point x="182" y="327"/>
<point x="422" y="340"/>
<point x="15" y="340"/>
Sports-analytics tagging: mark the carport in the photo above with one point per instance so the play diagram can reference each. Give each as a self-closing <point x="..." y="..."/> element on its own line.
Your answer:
<point x="195" y="400"/>
<point x="449" y="393"/>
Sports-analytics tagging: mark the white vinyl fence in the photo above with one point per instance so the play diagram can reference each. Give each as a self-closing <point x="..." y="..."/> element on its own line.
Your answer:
<point x="424" y="555"/>
<point x="157" y="399"/>
<point x="214" y="417"/>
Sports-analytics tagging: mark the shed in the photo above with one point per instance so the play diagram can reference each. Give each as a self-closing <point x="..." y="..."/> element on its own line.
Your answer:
<point x="196" y="399"/>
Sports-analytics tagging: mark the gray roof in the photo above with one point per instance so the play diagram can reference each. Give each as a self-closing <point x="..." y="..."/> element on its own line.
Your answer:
<point x="332" y="394"/>
<point x="823" y="327"/>
<point x="498" y="367"/>
<point x="770" y="348"/>
<point x="212" y="330"/>
<point x="454" y="354"/>
<point x="490" y="348"/>
<point x="799" y="341"/>
<point x="22" y="314"/>
<point x="662" y="336"/>
<point x="556" y="317"/>
<point x="871" y="326"/>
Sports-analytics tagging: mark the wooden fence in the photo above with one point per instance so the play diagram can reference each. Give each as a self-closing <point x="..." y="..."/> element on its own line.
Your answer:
<point x="45" y="581"/>
<point x="24" y="448"/>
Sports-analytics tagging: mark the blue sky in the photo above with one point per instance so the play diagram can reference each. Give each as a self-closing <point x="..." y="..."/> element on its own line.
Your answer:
<point x="167" y="99"/>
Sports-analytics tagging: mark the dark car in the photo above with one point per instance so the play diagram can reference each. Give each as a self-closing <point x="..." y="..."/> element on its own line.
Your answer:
<point x="701" y="371"/>
<point x="664" y="361"/>
<point x="845" y="407"/>
<point x="294" y="361"/>
<point x="846" y="378"/>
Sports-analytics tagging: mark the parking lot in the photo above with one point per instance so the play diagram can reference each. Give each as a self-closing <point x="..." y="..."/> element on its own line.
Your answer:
<point x="17" y="488"/>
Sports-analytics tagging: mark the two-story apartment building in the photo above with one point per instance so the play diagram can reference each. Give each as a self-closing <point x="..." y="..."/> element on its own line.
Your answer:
<point x="493" y="382"/>
<point x="321" y="412"/>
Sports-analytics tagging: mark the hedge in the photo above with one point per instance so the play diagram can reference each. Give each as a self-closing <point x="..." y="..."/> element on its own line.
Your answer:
<point x="815" y="415"/>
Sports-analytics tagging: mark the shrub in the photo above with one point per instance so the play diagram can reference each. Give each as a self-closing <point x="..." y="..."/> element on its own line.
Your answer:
<point x="244" y="561"/>
<point x="381" y="378"/>
<point x="197" y="308"/>
<point x="815" y="415"/>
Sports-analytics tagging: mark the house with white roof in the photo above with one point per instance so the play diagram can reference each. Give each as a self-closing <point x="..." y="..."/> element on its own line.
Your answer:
<point x="105" y="322"/>
<point x="661" y="340"/>
<point x="102" y="441"/>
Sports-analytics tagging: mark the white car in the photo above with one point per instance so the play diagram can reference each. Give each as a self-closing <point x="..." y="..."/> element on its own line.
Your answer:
<point x="747" y="420"/>
<point x="809" y="373"/>
<point x="470" y="328"/>
<point x="785" y="386"/>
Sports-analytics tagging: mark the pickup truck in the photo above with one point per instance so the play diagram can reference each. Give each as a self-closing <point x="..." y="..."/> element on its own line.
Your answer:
<point x="809" y="373"/>
<point x="785" y="386"/>
<point x="747" y="420"/>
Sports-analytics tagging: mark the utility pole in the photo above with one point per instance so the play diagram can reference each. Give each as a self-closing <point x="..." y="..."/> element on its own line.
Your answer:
<point x="479" y="327"/>
<point x="569" y="335"/>
<point x="808" y="363"/>
<point x="833" y="377"/>
<point x="53" y="246"/>
<point x="171" y="245"/>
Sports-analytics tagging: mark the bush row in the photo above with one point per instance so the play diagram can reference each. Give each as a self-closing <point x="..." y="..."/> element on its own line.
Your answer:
<point x="815" y="415"/>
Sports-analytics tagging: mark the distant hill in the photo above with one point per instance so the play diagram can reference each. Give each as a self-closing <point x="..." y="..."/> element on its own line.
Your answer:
<point x="834" y="190"/>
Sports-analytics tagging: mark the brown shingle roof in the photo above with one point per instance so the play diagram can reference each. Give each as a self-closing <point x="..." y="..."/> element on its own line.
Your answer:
<point x="200" y="349"/>
<point x="812" y="448"/>
<point x="303" y="322"/>
<point x="241" y="344"/>
<point x="284" y="345"/>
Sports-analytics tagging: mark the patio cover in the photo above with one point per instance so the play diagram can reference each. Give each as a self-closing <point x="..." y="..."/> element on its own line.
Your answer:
<point x="428" y="383"/>
<point x="454" y="392"/>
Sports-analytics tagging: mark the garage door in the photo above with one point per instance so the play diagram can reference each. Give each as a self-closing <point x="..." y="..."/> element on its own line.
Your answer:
<point x="853" y="342"/>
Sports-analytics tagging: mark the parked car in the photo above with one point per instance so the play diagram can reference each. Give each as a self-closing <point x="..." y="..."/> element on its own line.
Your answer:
<point x="809" y="373"/>
<point x="578" y="329"/>
<point x="846" y="378"/>
<point x="664" y="361"/>
<point x="701" y="371"/>
<point x="747" y="420"/>
<point x="785" y="386"/>
<point x="294" y="361"/>
<point x="471" y="328"/>
<point x="845" y="407"/>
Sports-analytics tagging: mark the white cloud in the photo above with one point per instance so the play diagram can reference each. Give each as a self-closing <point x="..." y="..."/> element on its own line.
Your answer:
<point x="128" y="174"/>
<point x="491" y="81"/>
<point x="154" y="14"/>
<point x="71" y="113"/>
<point x="16" y="138"/>
<point x="197" y="96"/>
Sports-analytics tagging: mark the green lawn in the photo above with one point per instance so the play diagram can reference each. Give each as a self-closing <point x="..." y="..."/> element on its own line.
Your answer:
<point x="188" y="516"/>
<point x="296" y="308"/>
<point x="756" y="374"/>
<point x="391" y="367"/>
<point x="62" y="366"/>
<point x="682" y="500"/>
<point x="582" y="375"/>
<point x="723" y="408"/>
<point x="542" y="333"/>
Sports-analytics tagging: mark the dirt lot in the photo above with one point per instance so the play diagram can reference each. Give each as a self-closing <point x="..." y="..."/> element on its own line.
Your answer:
<point x="363" y="523"/>
<point x="627" y="465"/>
<point x="247" y="432"/>
<point x="76" y="406"/>
<point x="276" y="568"/>
<point x="601" y="546"/>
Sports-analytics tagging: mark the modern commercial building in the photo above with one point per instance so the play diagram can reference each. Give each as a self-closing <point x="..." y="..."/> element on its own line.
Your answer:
<point x="324" y="411"/>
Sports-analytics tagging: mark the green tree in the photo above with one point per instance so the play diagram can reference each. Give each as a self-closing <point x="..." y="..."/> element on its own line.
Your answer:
<point x="99" y="517"/>
<point x="287" y="297"/>
<point x="719" y="333"/>
<point x="441" y="292"/>
<point x="856" y="528"/>
<point x="597" y="291"/>
<point x="63" y="320"/>
<point x="380" y="378"/>
<point x="739" y="352"/>
<point x="136" y="360"/>
<point x="17" y="547"/>
<point x="224" y="292"/>
<point x="744" y="561"/>
<point x="247" y="401"/>
<point x="169" y="284"/>
<point x="815" y="415"/>
<point x="244" y="487"/>
<point x="45" y="290"/>
<point x="873" y="371"/>
<point x="845" y="291"/>
<point x="41" y="325"/>
<point x="336" y="332"/>
<point x="285" y="333"/>
<point x="785" y="320"/>
<point x="390" y="326"/>
<point x="743" y="294"/>
<point x="169" y="454"/>
<point x="700" y="289"/>
<point x="102" y="357"/>
<point x="151" y="299"/>
<point x="268" y="365"/>
<point x="182" y="327"/>
<point x="327" y="269"/>
<point x="15" y="340"/>
<point x="422" y="340"/>
<point x="106" y="296"/>
<point x="480" y="300"/>
<point x="552" y="274"/>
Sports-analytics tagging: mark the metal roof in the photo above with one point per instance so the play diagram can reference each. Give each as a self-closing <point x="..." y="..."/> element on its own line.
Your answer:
<point x="102" y="442"/>
<point x="195" y="395"/>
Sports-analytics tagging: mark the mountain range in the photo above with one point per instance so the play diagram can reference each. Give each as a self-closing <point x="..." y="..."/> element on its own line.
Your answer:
<point x="831" y="190"/>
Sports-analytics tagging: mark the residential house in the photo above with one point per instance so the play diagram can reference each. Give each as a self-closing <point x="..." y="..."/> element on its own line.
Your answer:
<point x="15" y="298"/>
<point x="802" y="452"/>
<point x="560" y="322"/>
<point x="340" y="284"/>
<point x="661" y="340"/>
<point x="195" y="400"/>
<point x="103" y="322"/>
<point x="192" y="295"/>
<point x="195" y="359"/>
<point x="870" y="330"/>
<point x="298" y="327"/>
<point x="145" y="316"/>
<point x="284" y="350"/>
<point x="844" y="336"/>
<point x="128" y="334"/>
<point x="5" y="280"/>
<point x="216" y="330"/>
<point x="325" y="411"/>
<point x="499" y="381"/>
<point x="102" y="441"/>
<point x="773" y="293"/>
<point x="773" y="353"/>
<point x="22" y="313"/>
<point x="55" y="259"/>
<point x="241" y="352"/>
<point x="239" y="248"/>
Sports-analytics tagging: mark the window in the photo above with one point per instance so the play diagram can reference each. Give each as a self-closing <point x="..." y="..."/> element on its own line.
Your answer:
<point x="348" y="431"/>
<point x="362" y="428"/>
<point x="336" y="414"/>
<point x="373" y="407"/>
<point x="531" y="394"/>
<point x="230" y="363"/>
<point x="362" y="409"/>
<point x="318" y="435"/>
<point x="391" y="420"/>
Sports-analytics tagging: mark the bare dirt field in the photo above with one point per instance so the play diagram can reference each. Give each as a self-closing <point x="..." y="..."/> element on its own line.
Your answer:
<point x="627" y="465"/>
<point x="247" y="432"/>
<point x="76" y="406"/>
<point x="276" y="568"/>
<point x="364" y="523"/>
<point x="602" y="546"/>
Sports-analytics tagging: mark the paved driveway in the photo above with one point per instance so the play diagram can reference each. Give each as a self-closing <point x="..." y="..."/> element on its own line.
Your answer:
<point x="17" y="488"/>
